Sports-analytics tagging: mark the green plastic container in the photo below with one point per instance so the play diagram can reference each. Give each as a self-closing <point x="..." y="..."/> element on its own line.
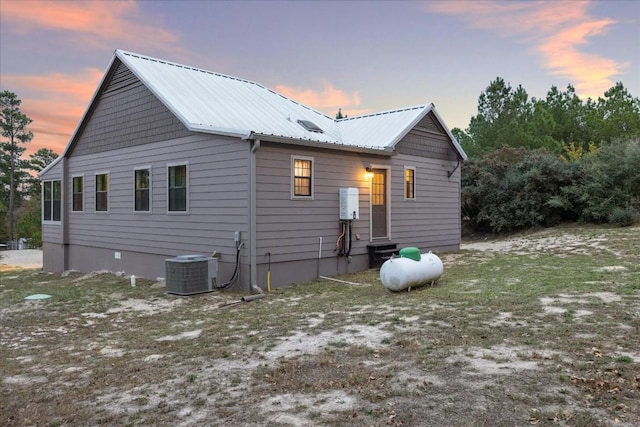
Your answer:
<point x="411" y="253"/>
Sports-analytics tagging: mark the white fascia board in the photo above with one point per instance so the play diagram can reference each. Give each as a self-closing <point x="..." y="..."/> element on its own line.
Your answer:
<point x="50" y="165"/>
<point x="238" y="133"/>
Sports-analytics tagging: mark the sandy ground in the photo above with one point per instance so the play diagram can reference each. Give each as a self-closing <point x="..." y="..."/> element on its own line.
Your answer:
<point x="27" y="258"/>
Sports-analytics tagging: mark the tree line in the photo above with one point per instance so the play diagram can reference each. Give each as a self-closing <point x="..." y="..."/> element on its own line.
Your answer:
<point x="20" y="199"/>
<point x="538" y="162"/>
<point x="532" y="162"/>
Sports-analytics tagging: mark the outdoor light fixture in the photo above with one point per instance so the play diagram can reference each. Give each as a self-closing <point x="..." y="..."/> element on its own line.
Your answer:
<point x="369" y="173"/>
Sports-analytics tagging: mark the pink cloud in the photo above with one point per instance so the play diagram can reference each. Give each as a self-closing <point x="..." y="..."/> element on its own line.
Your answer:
<point x="328" y="99"/>
<point x="55" y="102"/>
<point x="555" y="30"/>
<point x="100" y="22"/>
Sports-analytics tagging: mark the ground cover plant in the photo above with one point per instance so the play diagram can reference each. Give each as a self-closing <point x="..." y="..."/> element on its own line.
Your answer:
<point x="540" y="328"/>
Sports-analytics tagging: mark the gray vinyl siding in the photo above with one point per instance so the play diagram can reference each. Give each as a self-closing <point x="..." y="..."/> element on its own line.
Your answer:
<point x="126" y="114"/>
<point x="431" y="221"/>
<point x="217" y="193"/>
<point x="290" y="229"/>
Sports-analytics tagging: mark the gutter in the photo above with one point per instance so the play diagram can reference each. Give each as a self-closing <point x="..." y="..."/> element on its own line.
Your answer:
<point x="388" y="151"/>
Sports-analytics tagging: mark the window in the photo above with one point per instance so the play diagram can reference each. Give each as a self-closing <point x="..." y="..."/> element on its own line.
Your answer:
<point x="141" y="190"/>
<point x="409" y="182"/>
<point x="78" y="202"/>
<point x="51" y="201"/>
<point x="302" y="174"/>
<point x="178" y="191"/>
<point x="102" y="192"/>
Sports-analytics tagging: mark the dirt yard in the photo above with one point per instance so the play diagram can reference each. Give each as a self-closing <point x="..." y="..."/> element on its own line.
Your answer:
<point x="28" y="258"/>
<point x="537" y="329"/>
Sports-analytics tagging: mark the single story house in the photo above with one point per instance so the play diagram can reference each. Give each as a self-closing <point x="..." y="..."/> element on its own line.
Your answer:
<point x="172" y="160"/>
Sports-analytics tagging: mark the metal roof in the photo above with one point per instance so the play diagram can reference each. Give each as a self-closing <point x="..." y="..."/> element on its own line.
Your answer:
<point x="216" y="103"/>
<point x="219" y="104"/>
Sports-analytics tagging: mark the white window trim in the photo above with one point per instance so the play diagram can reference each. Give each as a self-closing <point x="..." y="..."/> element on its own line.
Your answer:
<point x="137" y="168"/>
<point x="84" y="198"/>
<point x="170" y="165"/>
<point x="404" y="183"/>
<point x="95" y="192"/>
<point x="51" y="221"/>
<point x="293" y="174"/>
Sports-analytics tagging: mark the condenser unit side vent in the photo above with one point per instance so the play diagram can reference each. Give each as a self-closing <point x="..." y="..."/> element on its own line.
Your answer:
<point x="190" y="274"/>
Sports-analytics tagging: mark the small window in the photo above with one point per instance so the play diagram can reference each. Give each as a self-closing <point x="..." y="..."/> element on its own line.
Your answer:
<point x="46" y="200"/>
<point x="302" y="177"/>
<point x="141" y="189"/>
<point x="57" y="200"/>
<point x="409" y="183"/>
<point x="52" y="201"/>
<point x="78" y="194"/>
<point x="102" y="192"/>
<point x="178" y="188"/>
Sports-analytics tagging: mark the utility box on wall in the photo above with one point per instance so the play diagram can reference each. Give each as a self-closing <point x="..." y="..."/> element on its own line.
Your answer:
<point x="349" y="204"/>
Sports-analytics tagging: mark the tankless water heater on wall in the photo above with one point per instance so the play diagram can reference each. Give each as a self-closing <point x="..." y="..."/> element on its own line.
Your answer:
<point x="349" y="204"/>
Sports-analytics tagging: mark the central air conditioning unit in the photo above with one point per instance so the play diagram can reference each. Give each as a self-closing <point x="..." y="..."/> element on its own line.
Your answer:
<point x="190" y="274"/>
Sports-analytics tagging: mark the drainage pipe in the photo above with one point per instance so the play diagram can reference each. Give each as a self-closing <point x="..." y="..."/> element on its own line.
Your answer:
<point x="252" y="297"/>
<point x="342" y="281"/>
<point x="319" y="254"/>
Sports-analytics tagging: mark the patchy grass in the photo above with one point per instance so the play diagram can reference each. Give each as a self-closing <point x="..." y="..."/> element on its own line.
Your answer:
<point x="540" y="328"/>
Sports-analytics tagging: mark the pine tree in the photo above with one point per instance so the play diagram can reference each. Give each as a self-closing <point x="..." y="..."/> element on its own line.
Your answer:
<point x="13" y="124"/>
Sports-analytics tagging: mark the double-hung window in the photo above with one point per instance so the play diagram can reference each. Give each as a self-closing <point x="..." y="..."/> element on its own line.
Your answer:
<point x="409" y="182"/>
<point x="142" y="189"/>
<point x="178" y="187"/>
<point x="78" y="194"/>
<point x="301" y="177"/>
<point x="102" y="192"/>
<point x="51" y="200"/>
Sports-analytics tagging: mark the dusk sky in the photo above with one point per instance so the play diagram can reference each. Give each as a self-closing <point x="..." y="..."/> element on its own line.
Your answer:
<point x="361" y="56"/>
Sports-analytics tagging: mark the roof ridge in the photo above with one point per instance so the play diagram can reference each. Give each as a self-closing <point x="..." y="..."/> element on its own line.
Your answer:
<point x="380" y="113"/>
<point x="188" y="67"/>
<point x="202" y="70"/>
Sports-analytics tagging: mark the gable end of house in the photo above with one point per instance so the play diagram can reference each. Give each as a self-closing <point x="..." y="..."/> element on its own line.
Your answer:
<point x="124" y="113"/>
<point x="428" y="139"/>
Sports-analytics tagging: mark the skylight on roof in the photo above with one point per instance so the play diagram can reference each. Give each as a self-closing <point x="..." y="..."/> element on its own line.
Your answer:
<point x="310" y="126"/>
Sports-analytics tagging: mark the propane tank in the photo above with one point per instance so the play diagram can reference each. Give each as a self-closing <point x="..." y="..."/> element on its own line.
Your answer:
<point x="398" y="274"/>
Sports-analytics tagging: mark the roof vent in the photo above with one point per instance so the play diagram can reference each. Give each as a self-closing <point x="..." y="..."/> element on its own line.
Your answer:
<point x="310" y="126"/>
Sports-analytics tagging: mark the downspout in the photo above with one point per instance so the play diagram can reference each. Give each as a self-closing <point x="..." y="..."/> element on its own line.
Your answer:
<point x="64" y="216"/>
<point x="253" y="246"/>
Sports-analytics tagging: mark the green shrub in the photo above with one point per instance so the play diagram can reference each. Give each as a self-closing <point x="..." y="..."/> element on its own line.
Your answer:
<point x="513" y="189"/>
<point x="622" y="217"/>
